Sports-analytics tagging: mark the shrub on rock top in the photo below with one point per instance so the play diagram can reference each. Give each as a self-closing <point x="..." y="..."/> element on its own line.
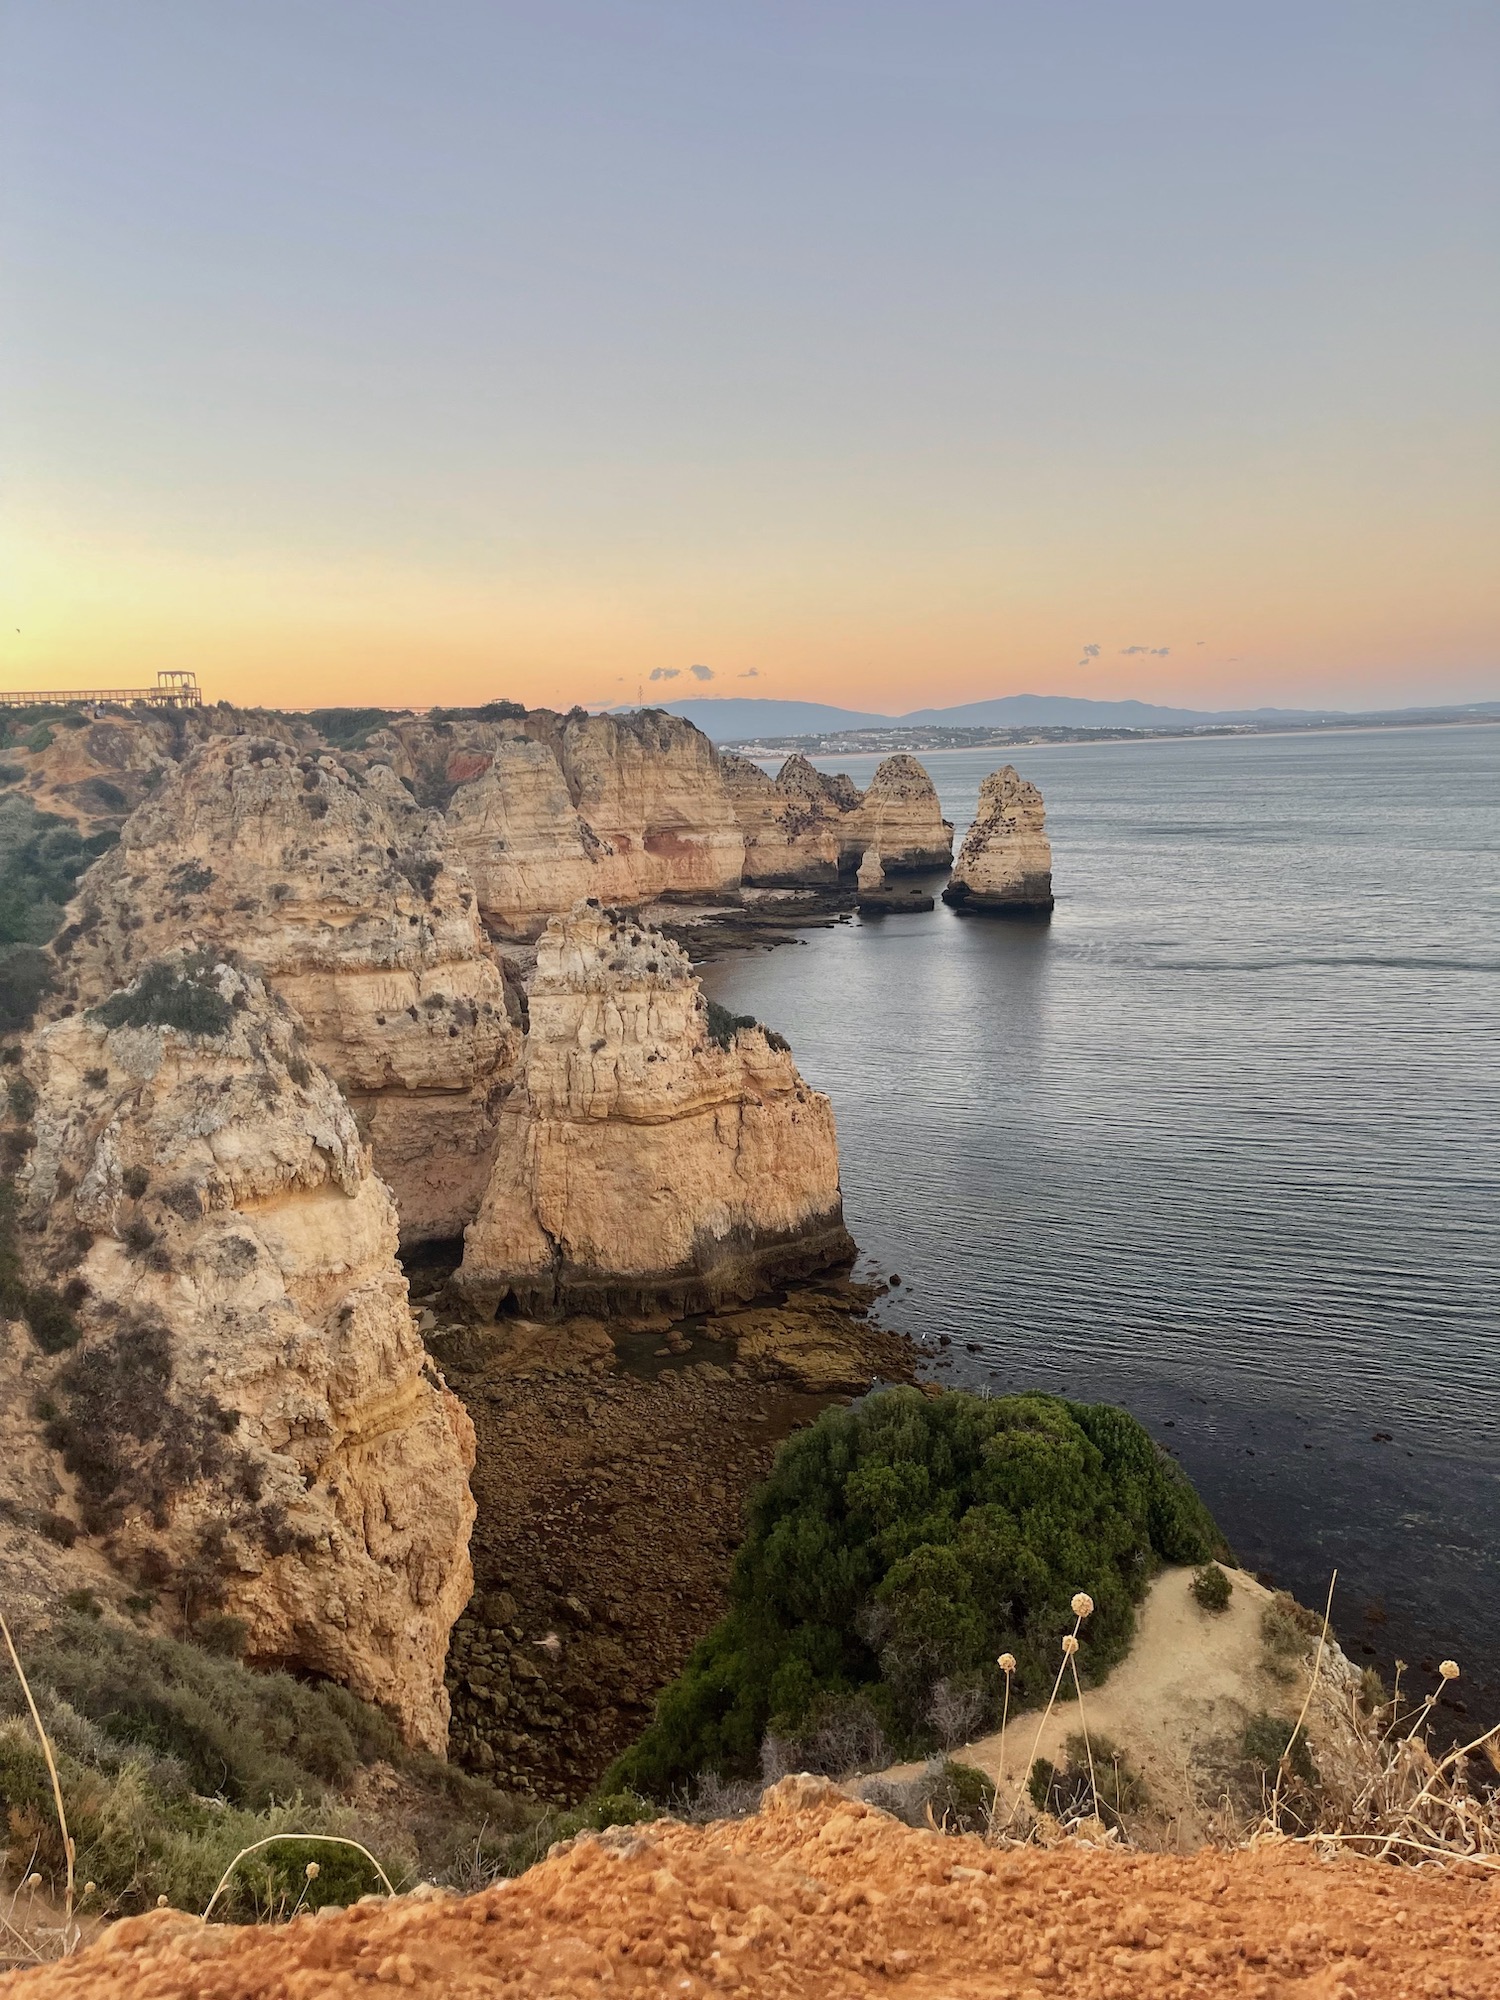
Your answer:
<point x="910" y="1540"/>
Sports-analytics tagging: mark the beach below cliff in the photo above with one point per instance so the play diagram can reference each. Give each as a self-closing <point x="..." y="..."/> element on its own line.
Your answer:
<point x="615" y="1459"/>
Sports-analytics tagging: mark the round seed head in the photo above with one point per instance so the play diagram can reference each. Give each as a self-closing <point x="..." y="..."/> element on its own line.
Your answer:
<point x="1006" y="1663"/>
<point x="32" y="1882"/>
<point x="1083" y="1604"/>
<point x="312" y="1871"/>
<point x="1449" y="1670"/>
<point x="89" y="1888"/>
<point x="161" y="1902"/>
<point x="1070" y="1645"/>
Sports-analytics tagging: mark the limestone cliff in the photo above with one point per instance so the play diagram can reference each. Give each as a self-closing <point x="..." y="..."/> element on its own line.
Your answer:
<point x="796" y="827"/>
<point x="544" y="809"/>
<point x="1005" y="863"/>
<point x="902" y="816"/>
<point x="325" y="875"/>
<point x="243" y="1412"/>
<point x="650" y="1153"/>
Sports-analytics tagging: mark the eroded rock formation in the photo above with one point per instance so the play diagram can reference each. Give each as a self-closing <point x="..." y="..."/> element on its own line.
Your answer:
<point x="244" y="1413"/>
<point x="545" y="809"/>
<point x="796" y="827"/>
<point x="902" y="817"/>
<point x="647" y="1154"/>
<point x="1005" y="863"/>
<point x="324" y="874"/>
<point x="807" y="828"/>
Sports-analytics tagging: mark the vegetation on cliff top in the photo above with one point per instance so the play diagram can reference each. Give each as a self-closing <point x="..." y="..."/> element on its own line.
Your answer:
<point x="173" y="1758"/>
<point x="897" y="1549"/>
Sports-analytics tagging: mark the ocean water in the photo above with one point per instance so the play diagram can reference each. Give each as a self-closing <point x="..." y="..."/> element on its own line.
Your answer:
<point x="1221" y="1143"/>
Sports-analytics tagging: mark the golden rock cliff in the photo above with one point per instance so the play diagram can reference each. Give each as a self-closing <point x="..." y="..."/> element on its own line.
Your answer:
<point x="544" y="809"/>
<point x="242" y="1413"/>
<point x="798" y="828"/>
<point x="323" y="873"/>
<point x="902" y="818"/>
<point x="1005" y="863"/>
<point x="649" y="1154"/>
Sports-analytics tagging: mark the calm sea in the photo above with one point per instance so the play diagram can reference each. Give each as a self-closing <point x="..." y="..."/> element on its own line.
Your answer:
<point x="1220" y="1144"/>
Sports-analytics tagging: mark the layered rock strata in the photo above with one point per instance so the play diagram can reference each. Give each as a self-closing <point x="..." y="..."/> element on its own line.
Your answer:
<point x="902" y="817"/>
<point x="544" y="809"/>
<point x="809" y="828"/>
<point x="246" y="1421"/>
<point x="796" y="827"/>
<point x="324" y="874"/>
<point x="1005" y="863"/>
<point x="650" y="1154"/>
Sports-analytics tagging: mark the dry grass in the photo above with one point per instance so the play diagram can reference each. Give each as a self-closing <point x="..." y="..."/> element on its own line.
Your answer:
<point x="1399" y="1801"/>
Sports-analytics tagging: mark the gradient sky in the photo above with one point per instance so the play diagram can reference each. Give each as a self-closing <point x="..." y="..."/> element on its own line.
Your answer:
<point x="886" y="354"/>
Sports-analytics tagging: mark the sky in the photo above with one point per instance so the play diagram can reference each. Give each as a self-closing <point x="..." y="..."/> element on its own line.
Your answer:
<point x="892" y="353"/>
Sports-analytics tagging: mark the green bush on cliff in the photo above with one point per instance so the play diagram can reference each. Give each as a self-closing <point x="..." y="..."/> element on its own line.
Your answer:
<point x="168" y="995"/>
<point x="172" y="1759"/>
<point x="909" y="1541"/>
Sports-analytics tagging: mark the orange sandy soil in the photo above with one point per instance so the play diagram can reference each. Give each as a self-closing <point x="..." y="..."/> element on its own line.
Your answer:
<point x="820" y="1897"/>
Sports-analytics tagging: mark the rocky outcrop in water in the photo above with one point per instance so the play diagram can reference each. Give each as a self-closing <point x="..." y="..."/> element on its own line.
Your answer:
<point x="807" y="828"/>
<point x="324" y="874"/>
<point x="902" y="817"/>
<point x="243" y="1414"/>
<point x="796" y="827"/>
<point x="1005" y="863"/>
<point x="654" y="1151"/>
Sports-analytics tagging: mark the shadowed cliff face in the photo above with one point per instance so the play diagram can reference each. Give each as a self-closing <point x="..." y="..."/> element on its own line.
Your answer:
<point x="245" y="1421"/>
<point x="324" y="874"/>
<point x="640" y="1160"/>
<point x="1005" y="862"/>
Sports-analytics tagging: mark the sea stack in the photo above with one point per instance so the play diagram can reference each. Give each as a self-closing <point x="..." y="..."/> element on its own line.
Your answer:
<point x="1005" y="863"/>
<point x="241" y="1415"/>
<point x="656" y="1152"/>
<point x="902" y="817"/>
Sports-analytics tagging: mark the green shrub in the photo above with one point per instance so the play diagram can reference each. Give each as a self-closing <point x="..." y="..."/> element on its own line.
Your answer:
<point x="171" y="994"/>
<point x="912" y="1539"/>
<point x="1067" y="1793"/>
<point x="41" y="859"/>
<point x="173" y="1760"/>
<point x="348" y="728"/>
<point x="1265" y="1742"/>
<point x="25" y="978"/>
<point x="1211" y="1588"/>
<point x="962" y="1799"/>
<point x="724" y="1026"/>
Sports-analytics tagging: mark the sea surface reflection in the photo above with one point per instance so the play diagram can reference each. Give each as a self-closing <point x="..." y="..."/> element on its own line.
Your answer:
<point x="1221" y="1143"/>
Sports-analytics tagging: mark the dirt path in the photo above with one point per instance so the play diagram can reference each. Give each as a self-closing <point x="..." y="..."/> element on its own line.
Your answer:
<point x="1177" y="1704"/>
<point x="819" y="1898"/>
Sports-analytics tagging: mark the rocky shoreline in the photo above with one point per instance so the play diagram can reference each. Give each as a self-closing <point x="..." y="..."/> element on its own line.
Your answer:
<point x="614" y="1463"/>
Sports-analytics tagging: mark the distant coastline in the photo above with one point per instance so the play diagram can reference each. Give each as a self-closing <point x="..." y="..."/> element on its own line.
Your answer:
<point x="937" y="742"/>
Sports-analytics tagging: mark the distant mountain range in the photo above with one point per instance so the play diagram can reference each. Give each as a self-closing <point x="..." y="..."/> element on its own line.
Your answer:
<point x="743" y="719"/>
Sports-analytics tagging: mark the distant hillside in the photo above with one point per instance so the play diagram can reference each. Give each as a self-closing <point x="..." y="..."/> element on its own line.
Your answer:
<point x="740" y="719"/>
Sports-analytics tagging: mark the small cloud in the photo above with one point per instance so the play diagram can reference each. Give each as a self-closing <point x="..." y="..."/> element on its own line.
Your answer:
<point x="1156" y="652"/>
<point x="701" y="673"/>
<point x="750" y="674"/>
<point x="664" y="674"/>
<point x="1091" y="652"/>
<point x="1200" y="642"/>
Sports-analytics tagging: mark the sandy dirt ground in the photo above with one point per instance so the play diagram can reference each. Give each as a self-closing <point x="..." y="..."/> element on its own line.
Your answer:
<point x="821" y="1898"/>
<point x="1178" y="1703"/>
